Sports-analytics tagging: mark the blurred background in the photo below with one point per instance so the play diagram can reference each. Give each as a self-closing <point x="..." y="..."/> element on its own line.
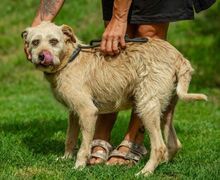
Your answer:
<point x="198" y="40"/>
<point x="32" y="123"/>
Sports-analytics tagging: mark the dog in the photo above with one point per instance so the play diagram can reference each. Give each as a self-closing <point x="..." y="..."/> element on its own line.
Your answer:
<point x="144" y="76"/>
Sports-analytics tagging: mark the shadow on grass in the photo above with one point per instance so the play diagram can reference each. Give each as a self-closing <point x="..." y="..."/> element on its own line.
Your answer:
<point x="39" y="136"/>
<point x="47" y="136"/>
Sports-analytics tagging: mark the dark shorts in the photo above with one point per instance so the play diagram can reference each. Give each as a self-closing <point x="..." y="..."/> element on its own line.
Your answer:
<point x="158" y="11"/>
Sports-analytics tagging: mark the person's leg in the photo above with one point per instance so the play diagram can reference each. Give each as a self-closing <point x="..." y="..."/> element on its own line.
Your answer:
<point x="158" y="30"/>
<point x="135" y="132"/>
<point x="105" y="122"/>
<point x="103" y="129"/>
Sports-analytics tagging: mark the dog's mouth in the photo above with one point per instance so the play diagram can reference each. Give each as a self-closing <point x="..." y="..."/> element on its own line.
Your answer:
<point x="45" y="58"/>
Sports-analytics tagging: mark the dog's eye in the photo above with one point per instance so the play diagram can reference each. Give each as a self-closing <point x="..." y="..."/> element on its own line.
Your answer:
<point x="53" y="41"/>
<point x="35" y="42"/>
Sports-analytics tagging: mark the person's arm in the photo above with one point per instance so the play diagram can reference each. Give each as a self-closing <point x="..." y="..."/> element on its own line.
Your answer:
<point x="116" y="29"/>
<point x="47" y="11"/>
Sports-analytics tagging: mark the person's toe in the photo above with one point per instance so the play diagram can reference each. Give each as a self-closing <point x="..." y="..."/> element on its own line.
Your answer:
<point x="92" y="161"/>
<point x="98" y="161"/>
<point x="114" y="161"/>
<point x="118" y="160"/>
<point x="111" y="162"/>
<point x="122" y="161"/>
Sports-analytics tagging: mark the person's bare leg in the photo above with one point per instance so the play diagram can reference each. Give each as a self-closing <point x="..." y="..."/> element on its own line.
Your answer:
<point x="105" y="122"/>
<point x="152" y="30"/>
<point x="103" y="129"/>
<point x="135" y="132"/>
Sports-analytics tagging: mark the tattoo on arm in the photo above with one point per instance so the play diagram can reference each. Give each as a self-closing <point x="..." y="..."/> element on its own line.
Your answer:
<point x="49" y="8"/>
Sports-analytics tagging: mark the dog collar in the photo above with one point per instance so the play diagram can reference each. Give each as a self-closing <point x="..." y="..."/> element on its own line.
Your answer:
<point x="79" y="48"/>
<point x="96" y="43"/>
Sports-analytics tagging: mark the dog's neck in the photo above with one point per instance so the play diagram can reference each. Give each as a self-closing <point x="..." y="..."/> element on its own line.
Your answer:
<point x="65" y="60"/>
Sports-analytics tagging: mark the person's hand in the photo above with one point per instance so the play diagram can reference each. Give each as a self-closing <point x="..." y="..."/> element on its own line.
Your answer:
<point x="113" y="37"/>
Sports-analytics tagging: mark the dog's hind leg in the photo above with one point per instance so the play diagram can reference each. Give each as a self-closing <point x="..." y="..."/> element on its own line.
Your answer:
<point x="149" y="113"/>
<point x="71" y="135"/>
<point x="87" y="120"/>
<point x="172" y="142"/>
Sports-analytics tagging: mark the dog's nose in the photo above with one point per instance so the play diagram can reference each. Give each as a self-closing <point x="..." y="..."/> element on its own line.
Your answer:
<point x="45" y="58"/>
<point x="41" y="57"/>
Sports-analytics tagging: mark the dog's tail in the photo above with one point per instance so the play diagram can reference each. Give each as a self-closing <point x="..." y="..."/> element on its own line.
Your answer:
<point x="184" y="73"/>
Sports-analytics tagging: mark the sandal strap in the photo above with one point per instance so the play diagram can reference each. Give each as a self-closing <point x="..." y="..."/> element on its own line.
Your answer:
<point x="127" y="156"/>
<point x="103" y="154"/>
<point x="135" y="153"/>
<point x="134" y="148"/>
<point x="100" y="154"/>
<point x="101" y="143"/>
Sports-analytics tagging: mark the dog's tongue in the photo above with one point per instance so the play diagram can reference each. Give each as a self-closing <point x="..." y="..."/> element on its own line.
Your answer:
<point x="48" y="58"/>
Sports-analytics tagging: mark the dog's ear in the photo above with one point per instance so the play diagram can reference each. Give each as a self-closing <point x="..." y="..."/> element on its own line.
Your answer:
<point x="68" y="32"/>
<point x="24" y="35"/>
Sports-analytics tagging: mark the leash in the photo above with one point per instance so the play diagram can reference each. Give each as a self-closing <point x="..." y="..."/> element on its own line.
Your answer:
<point x="127" y="39"/>
<point x="96" y="43"/>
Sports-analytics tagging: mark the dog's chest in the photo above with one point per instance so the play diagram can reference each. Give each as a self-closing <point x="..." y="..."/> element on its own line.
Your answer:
<point x="59" y="96"/>
<point x="58" y="92"/>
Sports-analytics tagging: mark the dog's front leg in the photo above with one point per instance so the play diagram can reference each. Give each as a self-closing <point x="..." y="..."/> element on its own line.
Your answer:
<point x="71" y="135"/>
<point x="87" y="121"/>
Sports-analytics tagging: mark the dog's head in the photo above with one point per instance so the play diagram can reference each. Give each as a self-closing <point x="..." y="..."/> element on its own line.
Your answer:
<point x="47" y="44"/>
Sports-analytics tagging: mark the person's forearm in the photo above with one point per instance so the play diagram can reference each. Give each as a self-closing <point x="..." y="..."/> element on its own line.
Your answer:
<point x="121" y="9"/>
<point x="47" y="10"/>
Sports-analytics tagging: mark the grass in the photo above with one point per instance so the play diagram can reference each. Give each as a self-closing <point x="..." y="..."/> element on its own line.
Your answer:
<point x="33" y="124"/>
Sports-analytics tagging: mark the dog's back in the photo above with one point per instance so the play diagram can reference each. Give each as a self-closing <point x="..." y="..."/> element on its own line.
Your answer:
<point x="157" y="66"/>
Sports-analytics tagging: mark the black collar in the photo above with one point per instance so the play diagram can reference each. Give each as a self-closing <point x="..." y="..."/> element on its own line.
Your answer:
<point x="96" y="43"/>
<point x="79" y="48"/>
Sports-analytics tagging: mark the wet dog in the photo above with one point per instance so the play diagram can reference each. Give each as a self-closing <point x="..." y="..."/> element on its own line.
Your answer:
<point x="144" y="76"/>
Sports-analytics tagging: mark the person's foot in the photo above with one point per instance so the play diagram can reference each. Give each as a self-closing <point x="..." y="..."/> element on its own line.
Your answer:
<point x="130" y="151"/>
<point x="112" y="160"/>
<point x="127" y="153"/>
<point x="97" y="160"/>
<point x="119" y="160"/>
<point x="100" y="152"/>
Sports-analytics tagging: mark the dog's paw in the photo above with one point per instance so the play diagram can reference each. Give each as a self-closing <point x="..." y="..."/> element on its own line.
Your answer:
<point x="79" y="165"/>
<point x="173" y="150"/>
<point x="147" y="170"/>
<point x="66" y="156"/>
<point x="144" y="173"/>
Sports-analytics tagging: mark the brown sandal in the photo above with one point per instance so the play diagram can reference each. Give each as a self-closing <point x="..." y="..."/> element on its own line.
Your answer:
<point x="135" y="153"/>
<point x="102" y="154"/>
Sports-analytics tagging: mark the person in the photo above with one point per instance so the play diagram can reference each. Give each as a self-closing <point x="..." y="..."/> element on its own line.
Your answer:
<point x="137" y="18"/>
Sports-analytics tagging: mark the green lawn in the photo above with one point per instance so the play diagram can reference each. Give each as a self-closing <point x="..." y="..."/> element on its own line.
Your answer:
<point x="33" y="124"/>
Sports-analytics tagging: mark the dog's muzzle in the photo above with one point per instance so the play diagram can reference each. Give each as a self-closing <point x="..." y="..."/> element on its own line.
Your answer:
<point x="45" y="58"/>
